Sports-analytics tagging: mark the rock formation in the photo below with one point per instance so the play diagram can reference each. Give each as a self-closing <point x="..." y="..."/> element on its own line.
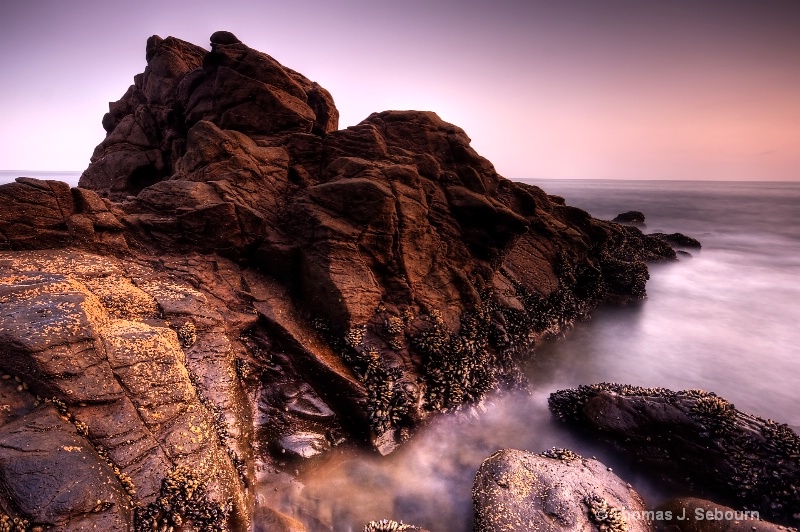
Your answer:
<point x="235" y="279"/>
<point x="697" y="440"/>
<point x="634" y="218"/>
<point x="556" y="491"/>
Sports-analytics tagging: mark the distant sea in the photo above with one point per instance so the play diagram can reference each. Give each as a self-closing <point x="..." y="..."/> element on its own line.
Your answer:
<point x="71" y="177"/>
<point x="725" y="320"/>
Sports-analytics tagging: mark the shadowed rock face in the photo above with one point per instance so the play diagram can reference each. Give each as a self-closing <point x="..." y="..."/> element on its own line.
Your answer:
<point x="236" y="279"/>
<point x="697" y="441"/>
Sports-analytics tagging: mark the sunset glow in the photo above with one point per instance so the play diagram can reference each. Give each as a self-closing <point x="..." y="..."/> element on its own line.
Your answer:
<point x="613" y="89"/>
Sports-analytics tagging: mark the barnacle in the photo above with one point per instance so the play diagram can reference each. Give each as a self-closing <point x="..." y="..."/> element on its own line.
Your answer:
<point x="354" y="337"/>
<point x="386" y="525"/>
<point x="715" y="411"/>
<point x="182" y="500"/>
<point x="606" y="517"/>
<point x="187" y="334"/>
<point x="13" y="524"/>
<point x="396" y="329"/>
<point x="565" y="455"/>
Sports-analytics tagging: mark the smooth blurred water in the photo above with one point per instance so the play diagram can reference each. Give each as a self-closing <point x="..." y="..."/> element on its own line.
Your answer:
<point x="726" y="320"/>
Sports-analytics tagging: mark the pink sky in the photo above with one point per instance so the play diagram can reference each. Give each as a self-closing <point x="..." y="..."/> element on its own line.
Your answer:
<point x="678" y="89"/>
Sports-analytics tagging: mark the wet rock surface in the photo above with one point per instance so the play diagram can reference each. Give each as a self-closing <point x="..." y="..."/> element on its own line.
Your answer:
<point x="554" y="491"/>
<point x="235" y="276"/>
<point x="689" y="514"/>
<point x="696" y="440"/>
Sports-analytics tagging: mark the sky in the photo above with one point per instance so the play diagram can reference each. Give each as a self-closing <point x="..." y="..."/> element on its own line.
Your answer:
<point x="546" y="89"/>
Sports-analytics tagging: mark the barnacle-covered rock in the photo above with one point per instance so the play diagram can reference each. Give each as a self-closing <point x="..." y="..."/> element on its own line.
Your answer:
<point x="696" y="440"/>
<point x="518" y="490"/>
<point x="182" y="502"/>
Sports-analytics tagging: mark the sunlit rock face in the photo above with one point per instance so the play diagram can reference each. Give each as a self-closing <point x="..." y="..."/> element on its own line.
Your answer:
<point x="237" y="284"/>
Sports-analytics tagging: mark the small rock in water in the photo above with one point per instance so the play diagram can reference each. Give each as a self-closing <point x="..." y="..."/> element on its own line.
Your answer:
<point x="304" y="444"/>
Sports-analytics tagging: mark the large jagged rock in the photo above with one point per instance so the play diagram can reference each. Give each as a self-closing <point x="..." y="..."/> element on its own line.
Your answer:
<point x="556" y="491"/>
<point x="696" y="440"/>
<point x="238" y="283"/>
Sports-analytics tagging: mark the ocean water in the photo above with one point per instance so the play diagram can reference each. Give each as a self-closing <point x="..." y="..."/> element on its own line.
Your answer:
<point x="724" y="320"/>
<point x="71" y="177"/>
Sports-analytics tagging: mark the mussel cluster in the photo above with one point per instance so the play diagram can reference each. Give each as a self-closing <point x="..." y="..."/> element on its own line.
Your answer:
<point x="565" y="455"/>
<point x="715" y="412"/>
<point x="386" y="525"/>
<point x="187" y="334"/>
<point x="182" y="501"/>
<point x="460" y="367"/>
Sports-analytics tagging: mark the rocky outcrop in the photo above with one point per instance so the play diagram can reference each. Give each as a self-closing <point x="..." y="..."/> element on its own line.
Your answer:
<point x="697" y="440"/>
<point x="402" y="262"/>
<point x="633" y="218"/>
<point x="36" y="214"/>
<point x="679" y="240"/>
<point x="556" y="491"/>
<point x="237" y="282"/>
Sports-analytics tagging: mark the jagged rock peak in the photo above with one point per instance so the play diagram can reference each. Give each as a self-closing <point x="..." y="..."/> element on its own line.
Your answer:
<point x="233" y="86"/>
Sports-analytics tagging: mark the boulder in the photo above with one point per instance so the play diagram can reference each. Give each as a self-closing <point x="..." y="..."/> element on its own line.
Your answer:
<point x="696" y="440"/>
<point x="556" y="491"/>
<point x="634" y="218"/>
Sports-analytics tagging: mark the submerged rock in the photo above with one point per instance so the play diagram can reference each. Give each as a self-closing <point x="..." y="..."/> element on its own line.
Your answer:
<point x="228" y="245"/>
<point x="304" y="444"/>
<point x="557" y="491"/>
<point x="697" y="440"/>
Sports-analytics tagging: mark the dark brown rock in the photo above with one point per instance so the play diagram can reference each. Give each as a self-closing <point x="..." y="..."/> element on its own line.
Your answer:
<point x="634" y="218"/>
<point x="697" y="441"/>
<point x="54" y="477"/>
<point x="688" y="514"/>
<point x="680" y="240"/>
